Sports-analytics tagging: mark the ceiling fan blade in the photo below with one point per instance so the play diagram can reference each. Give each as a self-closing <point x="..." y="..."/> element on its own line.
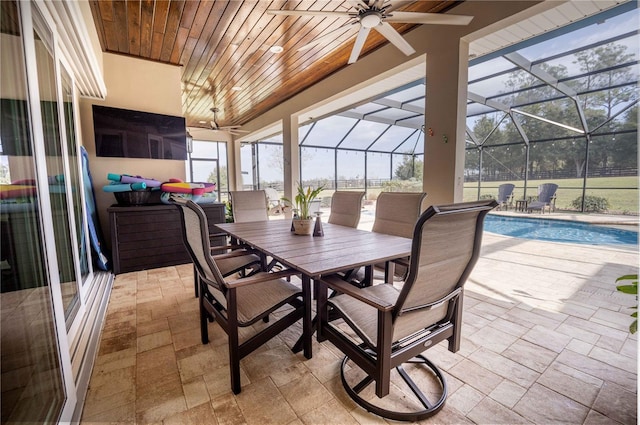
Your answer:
<point x="358" y="4"/>
<point x="329" y="13"/>
<point x="328" y="36"/>
<point x="395" y="38"/>
<point x="392" y="5"/>
<point x="359" y="44"/>
<point x="428" y="18"/>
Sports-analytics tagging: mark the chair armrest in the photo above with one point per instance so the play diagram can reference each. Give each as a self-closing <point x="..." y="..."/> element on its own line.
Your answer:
<point x="232" y="247"/>
<point x="260" y="277"/>
<point x="336" y="283"/>
<point x="231" y="255"/>
<point x="402" y="261"/>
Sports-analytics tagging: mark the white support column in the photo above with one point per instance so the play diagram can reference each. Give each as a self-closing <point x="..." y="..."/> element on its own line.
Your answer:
<point x="291" y="154"/>
<point x="445" y="112"/>
<point x="235" y="166"/>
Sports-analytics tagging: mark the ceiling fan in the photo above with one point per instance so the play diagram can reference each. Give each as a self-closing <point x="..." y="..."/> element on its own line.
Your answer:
<point x="376" y="14"/>
<point x="233" y="129"/>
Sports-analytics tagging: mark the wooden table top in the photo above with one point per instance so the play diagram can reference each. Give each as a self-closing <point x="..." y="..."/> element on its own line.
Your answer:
<point x="341" y="248"/>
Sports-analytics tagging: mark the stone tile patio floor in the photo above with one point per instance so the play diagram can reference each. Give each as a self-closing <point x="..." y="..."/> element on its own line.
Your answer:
<point x="545" y="341"/>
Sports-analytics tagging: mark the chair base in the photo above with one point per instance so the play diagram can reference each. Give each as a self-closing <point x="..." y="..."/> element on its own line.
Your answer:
<point x="415" y="394"/>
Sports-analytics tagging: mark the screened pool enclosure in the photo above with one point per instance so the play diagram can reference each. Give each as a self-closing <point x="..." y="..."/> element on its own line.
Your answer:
<point x="561" y="107"/>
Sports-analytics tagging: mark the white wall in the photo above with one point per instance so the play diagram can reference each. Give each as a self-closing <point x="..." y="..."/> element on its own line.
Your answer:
<point x="141" y="86"/>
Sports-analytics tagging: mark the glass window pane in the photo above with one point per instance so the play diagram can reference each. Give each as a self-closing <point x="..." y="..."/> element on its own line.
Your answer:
<point x="56" y="167"/>
<point x="206" y="171"/>
<point x="413" y="144"/>
<point x="32" y="387"/>
<point x="204" y="149"/>
<point x="582" y="37"/>
<point x="74" y="173"/>
<point x="329" y="131"/>
<point x="613" y="165"/>
<point x="317" y="164"/>
<point x="270" y="165"/>
<point x="350" y="170"/>
<point x="363" y="135"/>
<point x="392" y="138"/>
<point x="407" y="173"/>
<point x="378" y="168"/>
<point x="246" y="162"/>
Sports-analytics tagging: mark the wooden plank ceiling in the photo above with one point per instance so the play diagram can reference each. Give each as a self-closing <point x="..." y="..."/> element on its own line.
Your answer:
<point x="224" y="48"/>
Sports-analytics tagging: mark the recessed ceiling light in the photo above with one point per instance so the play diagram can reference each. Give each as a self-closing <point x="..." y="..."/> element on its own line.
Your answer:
<point x="276" y="49"/>
<point x="202" y="122"/>
<point x="236" y="88"/>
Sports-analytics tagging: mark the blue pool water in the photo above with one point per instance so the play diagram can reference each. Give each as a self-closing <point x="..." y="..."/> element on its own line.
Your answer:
<point x="559" y="231"/>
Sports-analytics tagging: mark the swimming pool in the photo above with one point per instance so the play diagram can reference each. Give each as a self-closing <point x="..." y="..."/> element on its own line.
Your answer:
<point x="559" y="231"/>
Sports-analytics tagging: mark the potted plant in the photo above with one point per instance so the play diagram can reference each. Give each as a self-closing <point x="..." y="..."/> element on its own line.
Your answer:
<point x="302" y="220"/>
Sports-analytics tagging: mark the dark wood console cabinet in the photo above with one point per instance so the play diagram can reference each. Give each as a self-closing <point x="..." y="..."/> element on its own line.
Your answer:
<point x="150" y="236"/>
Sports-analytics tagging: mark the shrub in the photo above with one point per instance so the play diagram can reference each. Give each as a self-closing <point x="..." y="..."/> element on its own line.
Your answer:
<point x="411" y="185"/>
<point x="591" y="203"/>
<point x="632" y="289"/>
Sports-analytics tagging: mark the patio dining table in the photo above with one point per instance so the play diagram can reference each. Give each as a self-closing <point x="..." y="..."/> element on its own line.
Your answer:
<point x="340" y="249"/>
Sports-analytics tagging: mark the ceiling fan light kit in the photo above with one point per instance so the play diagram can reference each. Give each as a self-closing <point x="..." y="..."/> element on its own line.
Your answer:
<point x="375" y="14"/>
<point x="370" y="18"/>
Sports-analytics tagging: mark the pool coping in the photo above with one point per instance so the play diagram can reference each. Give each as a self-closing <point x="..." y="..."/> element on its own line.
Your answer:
<point x="613" y="220"/>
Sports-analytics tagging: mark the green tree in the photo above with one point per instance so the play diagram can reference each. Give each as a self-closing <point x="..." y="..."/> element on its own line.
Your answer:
<point x="614" y="79"/>
<point x="411" y="167"/>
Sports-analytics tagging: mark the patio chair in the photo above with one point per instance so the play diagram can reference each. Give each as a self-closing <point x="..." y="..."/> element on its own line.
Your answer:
<point x="274" y="203"/>
<point x="346" y="207"/>
<point x="396" y="214"/>
<point x="505" y="195"/>
<point x="237" y="304"/>
<point x="546" y="198"/>
<point x="249" y="205"/>
<point x="231" y="259"/>
<point x="384" y="327"/>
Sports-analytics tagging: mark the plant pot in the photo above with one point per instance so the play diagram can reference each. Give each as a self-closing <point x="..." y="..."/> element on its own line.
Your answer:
<point x="303" y="226"/>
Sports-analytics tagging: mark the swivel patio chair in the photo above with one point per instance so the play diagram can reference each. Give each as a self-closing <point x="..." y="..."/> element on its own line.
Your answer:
<point x="346" y="207"/>
<point x="383" y="327"/>
<point x="239" y="303"/>
<point x="505" y="195"/>
<point x="546" y="198"/>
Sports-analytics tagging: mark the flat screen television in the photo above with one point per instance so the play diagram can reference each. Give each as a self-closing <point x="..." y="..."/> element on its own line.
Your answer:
<point x="135" y="134"/>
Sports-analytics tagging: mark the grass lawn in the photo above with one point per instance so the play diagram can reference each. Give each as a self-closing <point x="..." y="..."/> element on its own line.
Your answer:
<point x="621" y="192"/>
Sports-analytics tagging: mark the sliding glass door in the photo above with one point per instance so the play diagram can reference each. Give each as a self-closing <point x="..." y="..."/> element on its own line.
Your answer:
<point x="32" y="378"/>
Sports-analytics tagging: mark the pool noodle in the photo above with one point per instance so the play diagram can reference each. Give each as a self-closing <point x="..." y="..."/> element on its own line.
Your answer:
<point x="122" y="187"/>
<point x="125" y="178"/>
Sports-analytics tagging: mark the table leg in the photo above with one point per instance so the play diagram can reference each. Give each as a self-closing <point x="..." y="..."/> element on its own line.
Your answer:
<point x="321" y="313"/>
<point x="389" y="271"/>
<point x="307" y="325"/>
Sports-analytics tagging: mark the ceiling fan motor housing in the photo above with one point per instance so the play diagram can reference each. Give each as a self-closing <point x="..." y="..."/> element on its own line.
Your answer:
<point x="370" y="18"/>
